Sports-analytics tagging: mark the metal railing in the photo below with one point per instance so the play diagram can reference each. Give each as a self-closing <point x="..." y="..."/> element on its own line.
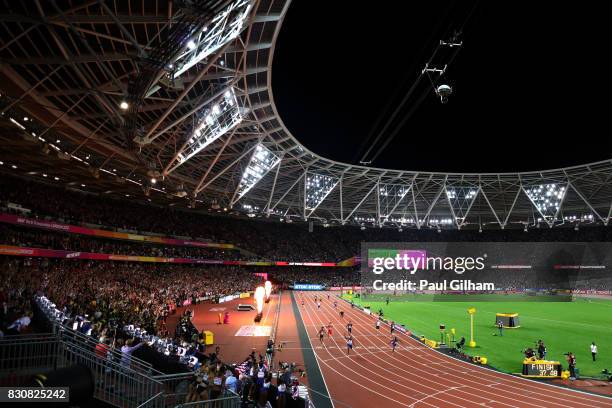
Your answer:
<point x="115" y="383"/>
<point x="270" y="357"/>
<point x="120" y="382"/>
<point x="23" y="356"/>
<point x="68" y="334"/>
<point x="228" y="399"/>
<point x="175" y="387"/>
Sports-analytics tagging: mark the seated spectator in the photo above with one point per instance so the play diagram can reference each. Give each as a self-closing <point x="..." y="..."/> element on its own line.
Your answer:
<point x="18" y="325"/>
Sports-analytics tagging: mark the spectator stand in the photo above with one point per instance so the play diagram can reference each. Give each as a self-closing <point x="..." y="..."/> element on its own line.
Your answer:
<point x="161" y="389"/>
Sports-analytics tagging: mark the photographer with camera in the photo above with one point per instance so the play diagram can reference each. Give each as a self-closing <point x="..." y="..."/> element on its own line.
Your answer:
<point x="529" y="353"/>
<point x="571" y="361"/>
<point x="541" y="350"/>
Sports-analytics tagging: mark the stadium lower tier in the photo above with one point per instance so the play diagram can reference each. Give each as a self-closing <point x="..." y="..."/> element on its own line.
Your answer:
<point x="133" y="292"/>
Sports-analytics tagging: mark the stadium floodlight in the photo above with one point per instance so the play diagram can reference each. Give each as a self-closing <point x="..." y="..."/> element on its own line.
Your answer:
<point x="547" y="199"/>
<point x="224" y="27"/>
<point x="389" y="198"/>
<point x="440" y="221"/>
<point x="262" y="161"/>
<point x="361" y="220"/>
<point x="318" y="186"/>
<point x="582" y="218"/>
<point x="460" y="200"/>
<point x="401" y="220"/>
<point x="214" y="120"/>
<point x="250" y="207"/>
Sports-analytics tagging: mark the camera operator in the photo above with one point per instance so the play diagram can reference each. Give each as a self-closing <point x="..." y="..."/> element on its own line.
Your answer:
<point x="461" y="343"/>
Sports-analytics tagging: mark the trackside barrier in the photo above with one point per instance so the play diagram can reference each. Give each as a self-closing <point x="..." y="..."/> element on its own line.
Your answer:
<point x="429" y="343"/>
<point x="270" y="357"/>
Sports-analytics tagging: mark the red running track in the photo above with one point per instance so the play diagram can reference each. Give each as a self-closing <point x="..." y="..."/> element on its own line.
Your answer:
<point x="414" y="375"/>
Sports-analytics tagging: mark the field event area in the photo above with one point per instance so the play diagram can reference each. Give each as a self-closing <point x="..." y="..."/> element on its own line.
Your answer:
<point x="562" y="326"/>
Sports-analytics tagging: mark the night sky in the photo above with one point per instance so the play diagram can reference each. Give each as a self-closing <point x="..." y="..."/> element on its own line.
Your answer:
<point x="530" y="83"/>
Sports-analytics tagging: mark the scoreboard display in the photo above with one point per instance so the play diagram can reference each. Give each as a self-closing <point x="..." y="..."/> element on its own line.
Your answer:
<point x="541" y="368"/>
<point x="307" y="286"/>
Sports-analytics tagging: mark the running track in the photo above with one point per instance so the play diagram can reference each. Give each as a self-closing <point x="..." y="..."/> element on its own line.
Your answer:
<point x="414" y="375"/>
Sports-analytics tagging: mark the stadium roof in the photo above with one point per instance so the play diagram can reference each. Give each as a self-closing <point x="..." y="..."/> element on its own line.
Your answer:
<point x="107" y="96"/>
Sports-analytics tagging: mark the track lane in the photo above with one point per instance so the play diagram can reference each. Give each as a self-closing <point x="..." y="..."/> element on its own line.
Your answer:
<point x="441" y="378"/>
<point x="433" y="387"/>
<point x="529" y="390"/>
<point x="433" y="370"/>
<point x="365" y="389"/>
<point x="370" y="381"/>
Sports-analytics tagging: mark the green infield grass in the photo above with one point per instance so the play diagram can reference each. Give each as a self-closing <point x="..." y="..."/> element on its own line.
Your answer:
<point x="563" y="326"/>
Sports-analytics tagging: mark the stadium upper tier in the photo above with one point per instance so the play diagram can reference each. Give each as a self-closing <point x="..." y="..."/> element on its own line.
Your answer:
<point x="174" y="104"/>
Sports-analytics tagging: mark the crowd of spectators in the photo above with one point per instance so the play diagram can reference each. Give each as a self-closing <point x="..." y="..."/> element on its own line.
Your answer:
<point x="533" y="279"/>
<point x="252" y="380"/>
<point x="330" y="277"/>
<point x="136" y="293"/>
<point x="267" y="238"/>
<point x="101" y="299"/>
<point x="36" y="238"/>
<point x="124" y="293"/>
<point x="112" y="295"/>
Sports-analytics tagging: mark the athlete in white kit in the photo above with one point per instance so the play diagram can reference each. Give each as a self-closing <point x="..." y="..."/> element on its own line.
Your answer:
<point x="349" y="344"/>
